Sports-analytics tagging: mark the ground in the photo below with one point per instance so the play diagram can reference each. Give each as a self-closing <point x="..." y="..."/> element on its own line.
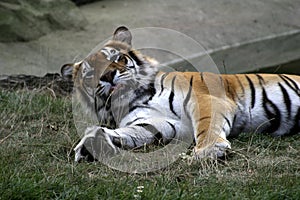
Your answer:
<point x="37" y="137"/>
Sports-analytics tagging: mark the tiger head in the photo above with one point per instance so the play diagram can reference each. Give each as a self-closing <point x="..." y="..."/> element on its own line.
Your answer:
<point x="112" y="68"/>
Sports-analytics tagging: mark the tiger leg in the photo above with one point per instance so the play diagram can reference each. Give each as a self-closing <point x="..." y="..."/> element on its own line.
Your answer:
<point x="93" y="142"/>
<point x="212" y="123"/>
<point x="100" y="141"/>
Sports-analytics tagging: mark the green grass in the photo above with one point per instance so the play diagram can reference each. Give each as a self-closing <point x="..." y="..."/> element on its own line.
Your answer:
<point x="37" y="136"/>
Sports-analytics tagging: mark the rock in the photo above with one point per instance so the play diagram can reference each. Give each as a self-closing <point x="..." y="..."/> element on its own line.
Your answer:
<point x="24" y="20"/>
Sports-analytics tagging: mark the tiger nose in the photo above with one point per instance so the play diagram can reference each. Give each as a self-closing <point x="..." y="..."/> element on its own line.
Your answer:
<point x="109" y="76"/>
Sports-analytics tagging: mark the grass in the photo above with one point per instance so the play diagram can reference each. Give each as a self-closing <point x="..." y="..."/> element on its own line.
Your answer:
<point x="37" y="136"/>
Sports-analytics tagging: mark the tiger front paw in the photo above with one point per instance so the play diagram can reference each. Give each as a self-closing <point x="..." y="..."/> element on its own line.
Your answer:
<point x="96" y="144"/>
<point x="215" y="150"/>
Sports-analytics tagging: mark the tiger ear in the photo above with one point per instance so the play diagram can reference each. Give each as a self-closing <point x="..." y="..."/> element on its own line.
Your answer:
<point x="67" y="71"/>
<point x="122" y="34"/>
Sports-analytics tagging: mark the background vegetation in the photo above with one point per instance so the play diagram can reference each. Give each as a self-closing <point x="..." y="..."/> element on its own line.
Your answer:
<point x="37" y="136"/>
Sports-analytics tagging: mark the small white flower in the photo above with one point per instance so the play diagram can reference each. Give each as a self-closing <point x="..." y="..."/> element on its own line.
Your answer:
<point x="140" y="187"/>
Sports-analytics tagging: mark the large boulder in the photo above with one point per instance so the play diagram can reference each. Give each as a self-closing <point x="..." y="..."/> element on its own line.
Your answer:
<point x="24" y="20"/>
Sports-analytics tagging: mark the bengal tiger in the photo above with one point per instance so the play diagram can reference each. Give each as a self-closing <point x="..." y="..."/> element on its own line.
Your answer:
<point x="214" y="106"/>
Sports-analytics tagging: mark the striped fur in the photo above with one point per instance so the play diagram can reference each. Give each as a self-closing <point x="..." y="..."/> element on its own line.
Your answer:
<point x="164" y="106"/>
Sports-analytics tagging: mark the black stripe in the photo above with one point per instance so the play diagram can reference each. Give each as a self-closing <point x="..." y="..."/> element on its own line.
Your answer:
<point x="173" y="128"/>
<point x="123" y="74"/>
<point x="135" y="58"/>
<point x="131" y="122"/>
<point x="133" y="140"/>
<point x="105" y="103"/>
<point x="224" y="130"/>
<point x="200" y="133"/>
<point x="149" y="127"/>
<point x="234" y="119"/>
<point x="139" y="106"/>
<point x="188" y="97"/>
<point x="260" y="79"/>
<point x="237" y="96"/>
<point x="98" y="89"/>
<point x="204" y="118"/>
<point x="117" y="141"/>
<point x="292" y="81"/>
<point x="230" y="91"/>
<point x="152" y="91"/>
<point x="286" y="99"/>
<point x="227" y="120"/>
<point x="96" y="106"/>
<point x="171" y="97"/>
<point x="162" y="83"/>
<point x="273" y="115"/>
<point x="252" y="91"/>
<point x="287" y="81"/>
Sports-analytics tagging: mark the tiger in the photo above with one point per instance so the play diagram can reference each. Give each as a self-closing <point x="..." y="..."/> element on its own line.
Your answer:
<point x="162" y="106"/>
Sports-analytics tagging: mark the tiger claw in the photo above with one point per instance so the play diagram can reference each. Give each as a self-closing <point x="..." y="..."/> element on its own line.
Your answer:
<point x="90" y="132"/>
<point x="95" y="143"/>
<point x="216" y="150"/>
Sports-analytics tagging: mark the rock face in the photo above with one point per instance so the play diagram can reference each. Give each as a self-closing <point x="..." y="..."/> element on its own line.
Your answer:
<point x="24" y="20"/>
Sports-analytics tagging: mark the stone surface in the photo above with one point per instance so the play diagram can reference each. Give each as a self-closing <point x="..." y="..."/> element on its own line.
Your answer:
<point x="242" y="35"/>
<point x="24" y="20"/>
